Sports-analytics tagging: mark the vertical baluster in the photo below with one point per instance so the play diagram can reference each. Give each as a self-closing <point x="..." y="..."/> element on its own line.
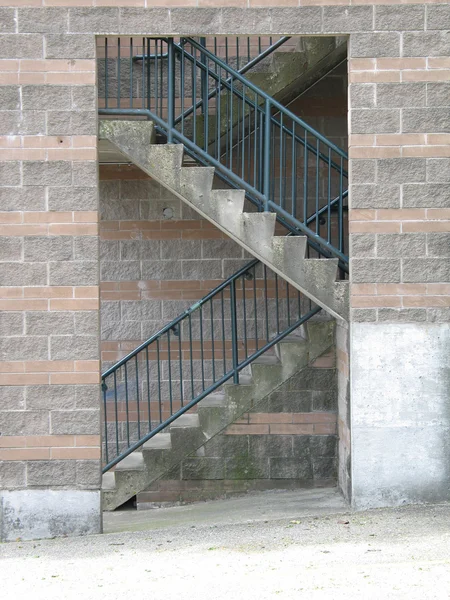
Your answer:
<point x="149" y="74"/>
<point x="266" y="303"/>
<point x="127" y="412"/>
<point x="161" y="79"/>
<point x="243" y="133"/>
<point x="244" y="317"/>
<point x="180" y="360"/>
<point x="294" y="173"/>
<point x="299" y="305"/>
<point x="158" y="364"/>
<point x="305" y="180"/>
<point x="281" y="161"/>
<point x="255" y="146"/>
<point x="148" y="390"/>
<point x="170" y="90"/>
<point x="288" y="308"/>
<point x="217" y="127"/>
<point x="116" y="413"/>
<point x="234" y="333"/>
<point x="248" y="50"/>
<point x="237" y="54"/>
<point x="169" y="369"/>
<point x="317" y="185"/>
<point x="143" y="72"/>
<point x="138" y="398"/>
<point x="118" y="72"/>
<point x="194" y="91"/>
<point x="277" y="311"/>
<point x="261" y="150"/>
<point x="231" y="123"/>
<point x="212" y="341"/>
<point x="106" y="72"/>
<point x="206" y="105"/>
<point x="131" y="72"/>
<point x="255" y="307"/>
<point x="156" y="79"/>
<point x="105" y="419"/>
<point x="190" y="356"/>
<point x="341" y="207"/>
<point x="224" y="357"/>
<point x="237" y="142"/>
<point x="267" y="151"/>
<point x="201" y="347"/>
<point x="329" y="198"/>
<point x="182" y="78"/>
<point x="226" y="50"/>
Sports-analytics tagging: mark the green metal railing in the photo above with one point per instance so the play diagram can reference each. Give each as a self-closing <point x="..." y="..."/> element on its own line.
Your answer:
<point x="195" y="354"/>
<point x="254" y="142"/>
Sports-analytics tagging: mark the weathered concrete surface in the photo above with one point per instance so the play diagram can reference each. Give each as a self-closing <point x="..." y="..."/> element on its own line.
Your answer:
<point x="381" y="554"/>
<point x="35" y="514"/>
<point x="400" y="413"/>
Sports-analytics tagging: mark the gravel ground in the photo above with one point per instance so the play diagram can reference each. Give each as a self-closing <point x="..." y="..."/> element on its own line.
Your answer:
<point x="401" y="553"/>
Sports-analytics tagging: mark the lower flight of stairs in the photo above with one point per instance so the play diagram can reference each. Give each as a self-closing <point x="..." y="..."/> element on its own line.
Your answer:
<point x="189" y="432"/>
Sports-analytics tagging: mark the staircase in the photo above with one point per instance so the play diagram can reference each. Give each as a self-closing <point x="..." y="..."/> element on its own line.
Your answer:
<point x="277" y="172"/>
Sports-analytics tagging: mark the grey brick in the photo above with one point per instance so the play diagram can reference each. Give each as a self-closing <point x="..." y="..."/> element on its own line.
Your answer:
<point x="426" y="270"/>
<point x="363" y="315"/>
<point x="161" y="269"/>
<point x="438" y="315"/>
<point x="22" y="198"/>
<point x="399" y="18"/>
<point x="375" y="196"/>
<point x="290" y="401"/>
<point x="323" y="445"/>
<point x="348" y="19"/>
<point x="27" y="422"/>
<point x="428" y="43"/>
<point x="47" y="173"/>
<point x="438" y="16"/>
<point x="172" y="308"/>
<point x="401" y="245"/>
<point x="362" y="95"/>
<point x="324" y="401"/>
<point x="109" y="312"/>
<point x="362" y="171"/>
<point x="140" y="249"/>
<point x="86" y="247"/>
<point x="128" y="330"/>
<point x="306" y="19"/>
<point x="12" y="475"/>
<point x="375" y="121"/>
<point x="270" y="445"/>
<point x="141" y="310"/>
<point x="48" y="322"/>
<point x="204" y="269"/>
<point x="374" y="45"/>
<point x="178" y="249"/>
<point x="369" y="270"/>
<point x="12" y="398"/>
<point x="10" y="173"/>
<point x="69" y="46"/>
<point x="46" y="97"/>
<point x="438" y="170"/>
<point x="86" y="322"/>
<point x="290" y="468"/>
<point x="247" y="467"/>
<point x="29" y="122"/>
<point x="205" y="467"/>
<point x="38" y="248"/>
<point x="50" y="397"/>
<point x="429" y="195"/>
<point x="120" y="271"/>
<point x="401" y="170"/>
<point x="75" y="422"/>
<point x="21" y="46"/>
<point x="438" y="94"/>
<point x="88" y="473"/>
<point x="7" y="20"/>
<point x="141" y="189"/>
<point x="72" y="198"/>
<point x="218" y="248"/>
<point x="84" y="97"/>
<point x="426" y="120"/>
<point x="438" y="244"/>
<point x="401" y="95"/>
<point x="94" y="20"/>
<point x="24" y="348"/>
<point x="324" y="468"/>
<point x="71" y="123"/>
<point x="74" y="347"/>
<point x="362" y="245"/>
<point x="230" y="266"/>
<point x="85" y="174"/>
<point x="43" y="20"/>
<point x="73" y="273"/>
<point x="9" y="96"/>
<point x="156" y="20"/>
<point x="11" y="249"/>
<point x="23" y="274"/>
<point x="402" y="315"/>
<point x="52" y="473"/>
<point x="109" y="250"/>
<point x="115" y="209"/>
<point x="87" y="396"/>
<point x="11" y="323"/>
<point x="301" y="448"/>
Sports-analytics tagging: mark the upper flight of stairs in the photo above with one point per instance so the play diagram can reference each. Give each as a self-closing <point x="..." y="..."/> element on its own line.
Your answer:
<point x="218" y="410"/>
<point x="316" y="278"/>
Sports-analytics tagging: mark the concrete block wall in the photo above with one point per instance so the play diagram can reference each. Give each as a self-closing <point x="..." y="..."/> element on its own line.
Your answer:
<point x="287" y="441"/>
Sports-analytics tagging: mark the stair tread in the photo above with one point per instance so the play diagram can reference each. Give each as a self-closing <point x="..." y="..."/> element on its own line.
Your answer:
<point x="213" y="400"/>
<point x="133" y="462"/>
<point x="160" y="441"/>
<point x="290" y="339"/>
<point x="108" y="481"/>
<point x="243" y="380"/>
<point x="266" y="360"/>
<point x="186" y="421"/>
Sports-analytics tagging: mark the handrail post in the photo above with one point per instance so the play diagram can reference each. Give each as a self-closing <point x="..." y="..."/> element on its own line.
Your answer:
<point x="266" y="154"/>
<point x="203" y="78"/>
<point x="170" y="90"/>
<point x="234" y="346"/>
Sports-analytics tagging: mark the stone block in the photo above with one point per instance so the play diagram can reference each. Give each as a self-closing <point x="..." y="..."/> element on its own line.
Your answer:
<point x="306" y="19"/>
<point x="9" y="96"/>
<point x="375" y="121"/>
<point x="86" y="322"/>
<point x="69" y="46"/>
<point x="94" y="20"/>
<point x="7" y="20"/>
<point x="290" y="401"/>
<point x="88" y="473"/>
<point x="37" y="248"/>
<point x="426" y="195"/>
<point x="362" y="171"/>
<point x="29" y="122"/>
<point x="138" y="189"/>
<point x="362" y="95"/>
<point x="58" y="172"/>
<point x="375" y="196"/>
<point x="52" y="473"/>
<point x="401" y="245"/>
<point x="290" y="468"/>
<point x="109" y="250"/>
<point x="72" y="198"/>
<point x="425" y="120"/>
<point x="438" y="244"/>
<point x="22" y="199"/>
<point x="270" y="445"/>
<point x="21" y="46"/>
<point x="438" y="93"/>
<point x="46" y="323"/>
<point x="426" y="270"/>
<point x="81" y="122"/>
<point x="438" y="315"/>
<point x="375" y="45"/>
<point x="362" y="245"/>
<point x="324" y="467"/>
<point x="50" y="397"/>
<point x="156" y="20"/>
<point x="363" y="315"/>
<point x="142" y="310"/>
<point x="313" y="379"/>
<point x="401" y="95"/>
<point x="75" y="422"/>
<point x="221" y="248"/>
<point x="23" y="274"/>
<point x="74" y="347"/>
<point x="232" y="265"/>
<point x="348" y="19"/>
<point x="73" y="273"/>
<point x="400" y="170"/>
<point x="12" y="475"/>
<point x="128" y="330"/>
<point x="11" y="249"/>
<point x="85" y="247"/>
<point x="323" y="445"/>
<point x="426" y="43"/>
<point x="180" y="249"/>
<point x="84" y="97"/>
<point x="369" y="270"/>
<point x="438" y="170"/>
<point x="121" y="271"/>
<point x="204" y="467"/>
<point x="10" y="173"/>
<point x="402" y="315"/>
<point x="43" y="20"/>
<point x="438" y="17"/>
<point x="12" y="398"/>
<point x="87" y="396"/>
<point x="201" y="269"/>
<point x="325" y="400"/>
<point x="226" y="445"/>
<point x="399" y="18"/>
<point x="27" y="422"/>
<point x="161" y="269"/>
<point x="244" y="466"/>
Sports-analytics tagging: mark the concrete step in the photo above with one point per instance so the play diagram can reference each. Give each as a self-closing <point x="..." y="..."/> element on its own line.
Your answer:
<point x="132" y="462"/>
<point x="160" y="441"/>
<point x="108" y="481"/>
<point x="186" y="421"/>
